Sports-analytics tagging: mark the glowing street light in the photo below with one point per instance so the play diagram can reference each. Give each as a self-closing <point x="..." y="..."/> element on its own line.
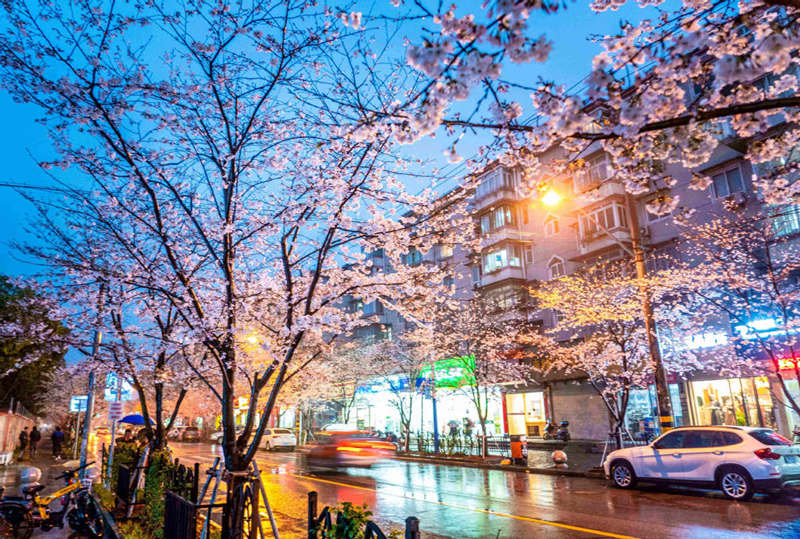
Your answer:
<point x="551" y="198"/>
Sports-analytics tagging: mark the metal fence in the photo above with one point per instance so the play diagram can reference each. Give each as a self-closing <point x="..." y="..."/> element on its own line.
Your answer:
<point x="180" y="516"/>
<point x="462" y="445"/>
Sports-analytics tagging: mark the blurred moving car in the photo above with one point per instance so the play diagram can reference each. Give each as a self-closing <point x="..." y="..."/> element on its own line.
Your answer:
<point x="343" y="449"/>
<point x="739" y="461"/>
<point x="278" y="439"/>
<point x="216" y="438"/>
<point x="175" y="433"/>
<point x="190" y="434"/>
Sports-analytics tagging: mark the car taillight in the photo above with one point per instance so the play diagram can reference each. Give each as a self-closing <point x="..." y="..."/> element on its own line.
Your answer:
<point x="767" y="454"/>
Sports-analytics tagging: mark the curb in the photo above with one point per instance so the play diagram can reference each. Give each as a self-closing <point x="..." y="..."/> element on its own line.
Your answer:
<point x="110" y="531"/>
<point x="486" y="466"/>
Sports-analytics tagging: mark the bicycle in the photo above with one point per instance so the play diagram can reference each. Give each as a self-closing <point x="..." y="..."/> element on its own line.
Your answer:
<point x="20" y="516"/>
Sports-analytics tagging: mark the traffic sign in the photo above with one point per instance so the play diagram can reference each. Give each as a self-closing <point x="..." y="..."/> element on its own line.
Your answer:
<point x="112" y="384"/>
<point x="115" y="411"/>
<point x="79" y="403"/>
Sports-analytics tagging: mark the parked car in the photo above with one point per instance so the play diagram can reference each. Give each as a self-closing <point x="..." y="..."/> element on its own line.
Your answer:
<point x="739" y="461"/>
<point x="278" y="439"/>
<point x="190" y="434"/>
<point x="340" y="449"/>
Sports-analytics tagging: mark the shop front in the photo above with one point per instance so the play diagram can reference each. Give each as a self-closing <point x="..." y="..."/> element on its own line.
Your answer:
<point x="733" y="401"/>
<point x="526" y="413"/>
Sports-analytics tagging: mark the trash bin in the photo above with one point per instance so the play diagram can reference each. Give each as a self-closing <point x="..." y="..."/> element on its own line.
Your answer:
<point x="519" y="449"/>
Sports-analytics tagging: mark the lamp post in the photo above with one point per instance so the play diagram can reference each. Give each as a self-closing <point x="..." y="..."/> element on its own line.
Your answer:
<point x="553" y="198"/>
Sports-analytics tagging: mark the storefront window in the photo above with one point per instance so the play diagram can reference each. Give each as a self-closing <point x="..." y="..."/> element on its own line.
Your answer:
<point x="735" y="401"/>
<point x="526" y="413"/>
<point x="640" y="418"/>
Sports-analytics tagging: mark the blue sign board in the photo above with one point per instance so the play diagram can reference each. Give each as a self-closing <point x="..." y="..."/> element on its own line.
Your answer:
<point x="110" y="393"/>
<point x="79" y="403"/>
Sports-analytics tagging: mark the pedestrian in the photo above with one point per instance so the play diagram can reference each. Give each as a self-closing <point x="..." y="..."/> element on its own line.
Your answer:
<point x="57" y="438"/>
<point x="23" y="442"/>
<point x="36" y="437"/>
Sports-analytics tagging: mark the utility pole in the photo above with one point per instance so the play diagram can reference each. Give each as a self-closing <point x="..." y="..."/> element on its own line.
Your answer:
<point x="87" y="424"/>
<point x="113" y="433"/>
<point x="662" y="387"/>
<point x="435" y="419"/>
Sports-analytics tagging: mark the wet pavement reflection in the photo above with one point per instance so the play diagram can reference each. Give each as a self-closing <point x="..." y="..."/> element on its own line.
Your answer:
<point x="458" y="502"/>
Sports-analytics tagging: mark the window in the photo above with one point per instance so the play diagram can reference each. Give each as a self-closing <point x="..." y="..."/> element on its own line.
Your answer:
<point x="504" y="298"/>
<point x="496" y="219"/>
<point x="499" y="178"/>
<point x="556" y="268"/>
<point x="374" y="333"/>
<point x="413" y="258"/>
<point x="529" y="255"/>
<point x="728" y="182"/>
<point x="601" y="219"/>
<point x="445" y="251"/>
<point x="376" y="307"/>
<point x="785" y="220"/>
<point x="448" y="281"/>
<point x="595" y="170"/>
<point x="551" y="226"/>
<point x="672" y="440"/>
<point x="354" y="305"/>
<point x="476" y="274"/>
<point x="768" y="437"/>
<point x="500" y="258"/>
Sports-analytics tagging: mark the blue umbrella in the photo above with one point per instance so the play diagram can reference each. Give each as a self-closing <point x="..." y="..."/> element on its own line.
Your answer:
<point x="134" y="419"/>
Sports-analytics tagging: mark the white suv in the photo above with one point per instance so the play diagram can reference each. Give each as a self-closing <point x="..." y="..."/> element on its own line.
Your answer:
<point x="737" y="460"/>
<point x="278" y="439"/>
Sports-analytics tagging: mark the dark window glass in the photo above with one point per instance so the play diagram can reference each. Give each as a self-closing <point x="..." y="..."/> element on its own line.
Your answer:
<point x="720" y="185"/>
<point x="696" y="439"/>
<point x="735" y="180"/>
<point x="768" y="437"/>
<point x="673" y="440"/>
<point x="731" y="438"/>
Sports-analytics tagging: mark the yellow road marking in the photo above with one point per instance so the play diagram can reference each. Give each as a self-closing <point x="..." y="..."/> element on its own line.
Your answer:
<point x="478" y="510"/>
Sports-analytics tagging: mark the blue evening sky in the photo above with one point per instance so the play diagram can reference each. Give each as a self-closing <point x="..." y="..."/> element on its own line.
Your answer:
<point x="23" y="141"/>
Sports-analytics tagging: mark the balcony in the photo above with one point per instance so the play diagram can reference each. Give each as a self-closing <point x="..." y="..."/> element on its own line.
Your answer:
<point x="503" y="274"/>
<point x="600" y="241"/>
<point x="602" y="191"/>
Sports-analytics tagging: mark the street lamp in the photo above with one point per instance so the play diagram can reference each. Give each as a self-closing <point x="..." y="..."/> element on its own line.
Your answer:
<point x="551" y="198"/>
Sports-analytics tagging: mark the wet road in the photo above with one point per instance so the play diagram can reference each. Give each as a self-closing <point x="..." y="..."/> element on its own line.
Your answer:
<point x="461" y="502"/>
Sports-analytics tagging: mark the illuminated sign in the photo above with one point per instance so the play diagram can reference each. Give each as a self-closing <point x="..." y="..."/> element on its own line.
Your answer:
<point x="452" y="372"/>
<point x="704" y="340"/>
<point x="79" y="403"/>
<point x="786" y="364"/>
<point x="764" y="327"/>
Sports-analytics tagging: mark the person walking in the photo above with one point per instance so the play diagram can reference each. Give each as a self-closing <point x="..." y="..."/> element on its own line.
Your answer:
<point x="23" y="442"/>
<point x="57" y="438"/>
<point x="35" y="438"/>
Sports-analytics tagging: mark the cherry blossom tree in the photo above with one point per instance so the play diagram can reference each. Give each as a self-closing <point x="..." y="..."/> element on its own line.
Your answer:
<point x="744" y="269"/>
<point x="483" y="341"/>
<point x="214" y="148"/>
<point x="669" y="89"/>
<point x="601" y="335"/>
<point x="398" y="364"/>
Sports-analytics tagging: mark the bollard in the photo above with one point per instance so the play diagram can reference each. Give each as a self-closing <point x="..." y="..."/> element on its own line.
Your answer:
<point x="412" y="528"/>
<point x="312" y="514"/>
<point x="195" y="481"/>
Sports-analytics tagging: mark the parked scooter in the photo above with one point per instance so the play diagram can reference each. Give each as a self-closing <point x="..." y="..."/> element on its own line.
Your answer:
<point x="551" y="433"/>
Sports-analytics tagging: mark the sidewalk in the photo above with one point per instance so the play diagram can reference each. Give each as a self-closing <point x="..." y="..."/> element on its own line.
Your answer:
<point x="51" y="468"/>
<point x="579" y="462"/>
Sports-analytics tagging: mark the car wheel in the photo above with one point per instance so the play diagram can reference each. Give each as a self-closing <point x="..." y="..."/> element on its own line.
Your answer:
<point x="735" y="483"/>
<point x="622" y="474"/>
